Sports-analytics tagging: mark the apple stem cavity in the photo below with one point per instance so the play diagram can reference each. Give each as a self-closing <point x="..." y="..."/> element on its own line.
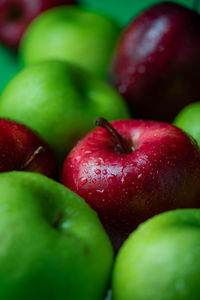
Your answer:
<point x="57" y="219"/>
<point x="195" y="4"/>
<point x="35" y="154"/>
<point x="121" y="144"/>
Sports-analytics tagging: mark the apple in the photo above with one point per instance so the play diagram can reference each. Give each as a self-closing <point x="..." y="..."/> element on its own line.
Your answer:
<point x="60" y="102"/>
<point x="9" y="66"/>
<point x="22" y="149"/>
<point x="52" y="243"/>
<point x="160" y="260"/>
<point x="188" y="120"/>
<point x="156" y="64"/>
<point x="73" y="34"/>
<point x="134" y="169"/>
<point x="16" y="15"/>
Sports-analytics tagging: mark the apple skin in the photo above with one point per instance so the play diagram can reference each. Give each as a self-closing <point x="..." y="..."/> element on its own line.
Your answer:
<point x="160" y="260"/>
<point x="162" y="173"/>
<point x="188" y="120"/>
<point x="50" y="239"/>
<point x="17" y="145"/>
<point x="156" y="64"/>
<point x="16" y="15"/>
<point x="60" y="102"/>
<point x="72" y="34"/>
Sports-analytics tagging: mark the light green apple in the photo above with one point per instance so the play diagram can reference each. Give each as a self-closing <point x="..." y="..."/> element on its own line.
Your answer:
<point x="188" y="119"/>
<point x="60" y="102"/>
<point x="73" y="34"/>
<point x="52" y="244"/>
<point x="161" y="259"/>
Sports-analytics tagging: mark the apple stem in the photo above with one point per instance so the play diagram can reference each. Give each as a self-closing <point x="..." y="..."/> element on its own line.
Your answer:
<point x="57" y="219"/>
<point x="35" y="154"/>
<point x="195" y="4"/>
<point x="121" y="143"/>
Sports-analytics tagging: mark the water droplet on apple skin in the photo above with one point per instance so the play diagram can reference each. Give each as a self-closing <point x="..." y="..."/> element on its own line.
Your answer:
<point x="83" y="181"/>
<point x="97" y="171"/>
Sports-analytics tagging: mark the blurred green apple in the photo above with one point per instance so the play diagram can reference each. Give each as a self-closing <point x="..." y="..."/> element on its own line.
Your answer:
<point x="188" y="119"/>
<point x="60" y="102"/>
<point x="160" y="260"/>
<point x="73" y="34"/>
<point x="52" y="243"/>
<point x="9" y="66"/>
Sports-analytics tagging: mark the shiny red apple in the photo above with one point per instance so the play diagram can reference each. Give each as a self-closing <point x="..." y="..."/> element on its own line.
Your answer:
<point x="146" y="168"/>
<point x="22" y="149"/>
<point x="157" y="61"/>
<point x="16" y="15"/>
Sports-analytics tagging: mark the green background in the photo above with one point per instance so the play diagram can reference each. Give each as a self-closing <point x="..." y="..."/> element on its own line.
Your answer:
<point x="125" y="10"/>
<point x="121" y="10"/>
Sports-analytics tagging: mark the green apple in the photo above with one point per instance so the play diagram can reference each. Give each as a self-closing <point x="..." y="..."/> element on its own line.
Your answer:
<point x="9" y="66"/>
<point x="188" y="119"/>
<point x="52" y="244"/>
<point x="60" y="102"/>
<point x="161" y="259"/>
<point x="73" y="34"/>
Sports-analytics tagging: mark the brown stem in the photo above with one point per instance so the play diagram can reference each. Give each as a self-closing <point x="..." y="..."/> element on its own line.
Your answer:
<point x="57" y="219"/>
<point x="35" y="154"/>
<point x="120" y="142"/>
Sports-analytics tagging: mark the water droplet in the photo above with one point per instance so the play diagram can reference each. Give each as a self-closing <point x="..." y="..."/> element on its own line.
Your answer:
<point x="97" y="171"/>
<point x="83" y="181"/>
<point x="122" y="88"/>
<point x="94" y="181"/>
<point x="88" y="152"/>
<point x="100" y="191"/>
<point x="161" y="48"/>
<point x="131" y="69"/>
<point x="148" y="201"/>
<point x="140" y="175"/>
<point x="104" y="172"/>
<point x="142" y="69"/>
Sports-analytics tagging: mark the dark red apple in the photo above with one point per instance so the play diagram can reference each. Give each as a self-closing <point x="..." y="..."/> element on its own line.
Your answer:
<point x="157" y="61"/>
<point x="19" y="147"/>
<point x="160" y="173"/>
<point x="16" y="15"/>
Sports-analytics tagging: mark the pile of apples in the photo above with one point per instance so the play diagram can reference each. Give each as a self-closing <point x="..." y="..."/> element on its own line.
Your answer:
<point x="100" y="191"/>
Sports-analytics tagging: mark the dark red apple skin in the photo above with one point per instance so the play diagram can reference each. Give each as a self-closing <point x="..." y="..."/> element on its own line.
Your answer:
<point x="162" y="173"/>
<point x="157" y="62"/>
<point x="18" y="143"/>
<point x="16" y="15"/>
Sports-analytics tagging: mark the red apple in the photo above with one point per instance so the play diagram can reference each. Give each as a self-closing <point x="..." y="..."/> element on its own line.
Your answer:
<point x="157" y="61"/>
<point x="160" y="173"/>
<point x="16" y="15"/>
<point x="19" y="147"/>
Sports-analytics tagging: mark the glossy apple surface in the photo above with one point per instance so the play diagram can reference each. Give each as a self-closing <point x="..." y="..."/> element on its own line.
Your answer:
<point x="161" y="173"/>
<point x="160" y="260"/>
<point x="72" y="34"/>
<point x="52" y="244"/>
<point x="156" y="64"/>
<point x="16" y="15"/>
<point x="60" y="102"/>
<point x="18" y="144"/>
